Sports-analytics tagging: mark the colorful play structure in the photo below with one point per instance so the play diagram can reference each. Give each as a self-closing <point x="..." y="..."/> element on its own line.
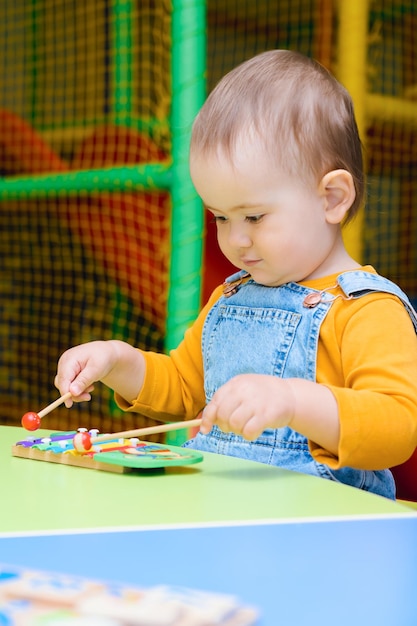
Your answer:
<point x="102" y="232"/>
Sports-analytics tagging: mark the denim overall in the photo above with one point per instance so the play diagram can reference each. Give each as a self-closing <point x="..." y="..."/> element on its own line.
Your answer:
<point x="268" y="330"/>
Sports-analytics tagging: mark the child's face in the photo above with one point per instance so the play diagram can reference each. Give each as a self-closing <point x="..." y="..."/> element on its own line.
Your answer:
<point x="269" y="224"/>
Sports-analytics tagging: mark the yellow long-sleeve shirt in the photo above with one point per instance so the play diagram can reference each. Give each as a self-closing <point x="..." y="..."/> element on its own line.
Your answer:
<point x="367" y="357"/>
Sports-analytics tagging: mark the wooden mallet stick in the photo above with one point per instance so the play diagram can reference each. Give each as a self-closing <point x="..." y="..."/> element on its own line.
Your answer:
<point x="84" y="441"/>
<point x="54" y="405"/>
<point x="32" y="420"/>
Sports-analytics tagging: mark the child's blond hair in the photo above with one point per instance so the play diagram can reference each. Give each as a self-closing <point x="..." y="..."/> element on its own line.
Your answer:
<point x="300" y="113"/>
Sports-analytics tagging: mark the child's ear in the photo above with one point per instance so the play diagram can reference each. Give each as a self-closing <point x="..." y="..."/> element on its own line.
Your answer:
<point x="339" y="192"/>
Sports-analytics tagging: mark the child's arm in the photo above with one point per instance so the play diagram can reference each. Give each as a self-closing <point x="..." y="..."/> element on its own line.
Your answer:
<point x="362" y="412"/>
<point x="178" y="391"/>
<point x="115" y="363"/>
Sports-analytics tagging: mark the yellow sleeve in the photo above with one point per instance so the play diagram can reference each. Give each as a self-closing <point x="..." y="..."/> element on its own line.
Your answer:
<point x="368" y="358"/>
<point x="174" y="384"/>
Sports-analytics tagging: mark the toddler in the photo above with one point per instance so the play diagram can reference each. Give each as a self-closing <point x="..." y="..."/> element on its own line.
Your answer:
<point x="303" y="359"/>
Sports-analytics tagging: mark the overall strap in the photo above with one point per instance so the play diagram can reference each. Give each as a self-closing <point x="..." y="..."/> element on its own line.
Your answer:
<point x="359" y="283"/>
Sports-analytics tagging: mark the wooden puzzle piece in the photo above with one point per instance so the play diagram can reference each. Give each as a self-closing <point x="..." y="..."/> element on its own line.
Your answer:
<point x="39" y="598"/>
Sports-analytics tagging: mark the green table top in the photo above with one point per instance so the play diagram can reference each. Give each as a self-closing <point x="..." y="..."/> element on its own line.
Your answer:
<point x="39" y="496"/>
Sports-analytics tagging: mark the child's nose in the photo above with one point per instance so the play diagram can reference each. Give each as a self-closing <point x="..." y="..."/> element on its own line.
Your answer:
<point x="239" y="236"/>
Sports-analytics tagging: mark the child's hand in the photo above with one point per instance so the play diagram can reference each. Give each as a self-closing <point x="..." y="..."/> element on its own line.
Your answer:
<point x="248" y="404"/>
<point x="83" y="365"/>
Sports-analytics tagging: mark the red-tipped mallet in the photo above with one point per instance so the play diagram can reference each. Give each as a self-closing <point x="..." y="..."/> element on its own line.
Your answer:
<point x="84" y="441"/>
<point x="32" y="420"/>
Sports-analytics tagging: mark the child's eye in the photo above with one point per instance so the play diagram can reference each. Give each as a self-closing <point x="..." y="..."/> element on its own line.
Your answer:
<point x="254" y="219"/>
<point x="218" y="219"/>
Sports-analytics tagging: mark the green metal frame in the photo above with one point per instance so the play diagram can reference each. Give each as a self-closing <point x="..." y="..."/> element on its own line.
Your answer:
<point x="188" y="92"/>
<point x="122" y="38"/>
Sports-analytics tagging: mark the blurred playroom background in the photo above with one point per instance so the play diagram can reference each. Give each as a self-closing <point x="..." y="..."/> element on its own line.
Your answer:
<point x="102" y="235"/>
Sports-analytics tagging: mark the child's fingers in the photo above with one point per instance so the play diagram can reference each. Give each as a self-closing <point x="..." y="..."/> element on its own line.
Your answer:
<point x="253" y="428"/>
<point x="80" y="386"/>
<point x="208" y="418"/>
<point x="85" y="396"/>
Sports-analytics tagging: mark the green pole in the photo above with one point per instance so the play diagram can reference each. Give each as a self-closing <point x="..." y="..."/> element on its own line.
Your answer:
<point x="122" y="61"/>
<point x="122" y="113"/>
<point x="33" y="62"/>
<point x="188" y="67"/>
<point x="128" y="178"/>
